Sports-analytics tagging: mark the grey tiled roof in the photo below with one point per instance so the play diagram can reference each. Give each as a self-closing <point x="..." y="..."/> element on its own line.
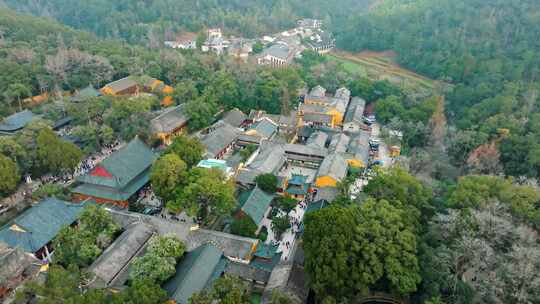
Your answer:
<point x="279" y="50"/>
<point x="327" y="194"/>
<point x="317" y="118"/>
<point x="114" y="261"/>
<point x="122" y="84"/>
<point x="305" y="150"/>
<point x="219" y="138"/>
<point x="247" y="272"/>
<point x="355" y="111"/>
<point x="232" y="245"/>
<point x="15" y="263"/>
<point x="335" y="166"/>
<point x="339" y="143"/>
<point x="265" y="128"/>
<point x="317" y="139"/>
<point x="170" y="120"/>
<point x="359" y="147"/>
<point x="310" y="108"/>
<point x="317" y="91"/>
<point x="270" y="159"/>
<point x="235" y="117"/>
<point x="342" y="93"/>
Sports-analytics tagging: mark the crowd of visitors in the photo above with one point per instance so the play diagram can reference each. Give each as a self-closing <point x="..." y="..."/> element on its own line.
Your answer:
<point x="85" y="166"/>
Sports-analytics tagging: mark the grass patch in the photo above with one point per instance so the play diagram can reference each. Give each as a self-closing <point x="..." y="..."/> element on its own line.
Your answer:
<point x="349" y="66"/>
<point x="255" y="298"/>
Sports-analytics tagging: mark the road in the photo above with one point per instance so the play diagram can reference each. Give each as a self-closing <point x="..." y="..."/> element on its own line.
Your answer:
<point x="384" y="156"/>
<point x="384" y="151"/>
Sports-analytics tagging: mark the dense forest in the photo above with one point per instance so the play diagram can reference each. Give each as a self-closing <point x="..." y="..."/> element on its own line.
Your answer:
<point x="455" y="222"/>
<point x="149" y="22"/>
<point x="488" y="49"/>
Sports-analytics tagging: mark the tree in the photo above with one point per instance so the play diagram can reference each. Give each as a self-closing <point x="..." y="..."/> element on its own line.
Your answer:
<point x="59" y="284"/>
<point x="64" y="286"/>
<point x="399" y="187"/>
<point x="280" y="224"/>
<point x="185" y="91"/>
<point x="279" y="297"/>
<point x="9" y="175"/>
<point x="159" y="262"/>
<point x="350" y="250"/>
<point x="51" y="190"/>
<point x="208" y="193"/>
<point x="167" y="246"/>
<point x="168" y="175"/>
<point x="286" y="204"/>
<point x="12" y="148"/>
<point x="152" y="267"/>
<point x="55" y="155"/>
<point x="257" y="47"/>
<point x="267" y="182"/>
<point x="189" y="149"/>
<point x="17" y="91"/>
<point x="226" y="290"/>
<point x="201" y="111"/>
<point x="385" y="247"/>
<point x="327" y="240"/>
<point x="141" y="292"/>
<point x="244" y="226"/>
<point x="96" y="221"/>
<point x="83" y="244"/>
<point x="247" y="152"/>
<point x="75" y="247"/>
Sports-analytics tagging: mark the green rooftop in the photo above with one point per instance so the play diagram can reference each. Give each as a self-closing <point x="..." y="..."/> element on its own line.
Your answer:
<point x="193" y="273"/>
<point x="255" y="204"/>
<point x="37" y="226"/>
<point x="121" y="175"/>
<point x="15" y="122"/>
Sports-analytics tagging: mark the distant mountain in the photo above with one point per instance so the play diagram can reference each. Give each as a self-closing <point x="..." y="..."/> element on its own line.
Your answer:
<point x="152" y="21"/>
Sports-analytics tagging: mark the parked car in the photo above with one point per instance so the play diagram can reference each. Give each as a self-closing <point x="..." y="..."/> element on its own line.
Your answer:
<point x="151" y="210"/>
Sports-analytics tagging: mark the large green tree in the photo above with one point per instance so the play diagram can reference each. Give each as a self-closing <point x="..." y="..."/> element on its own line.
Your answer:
<point x="75" y="247"/>
<point x="189" y="149"/>
<point x="152" y="267"/>
<point x="53" y="155"/>
<point x="81" y="245"/>
<point x="168" y="246"/>
<point x="384" y="247"/>
<point x="352" y="250"/>
<point x="168" y="175"/>
<point x="399" y="187"/>
<point x="227" y="289"/>
<point x="208" y="193"/>
<point x="267" y="182"/>
<point x="9" y="175"/>
<point x="244" y="226"/>
<point x="159" y="262"/>
<point x="17" y="91"/>
<point x="328" y="236"/>
<point x="63" y="286"/>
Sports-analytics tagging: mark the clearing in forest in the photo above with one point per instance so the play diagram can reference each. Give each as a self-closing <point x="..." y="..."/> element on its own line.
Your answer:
<point x="381" y="65"/>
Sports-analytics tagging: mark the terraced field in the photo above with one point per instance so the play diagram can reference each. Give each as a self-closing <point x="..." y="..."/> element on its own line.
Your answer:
<point x="381" y="65"/>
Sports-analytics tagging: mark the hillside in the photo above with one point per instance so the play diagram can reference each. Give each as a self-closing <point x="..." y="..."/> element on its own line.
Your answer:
<point x="150" y="22"/>
<point x="488" y="49"/>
